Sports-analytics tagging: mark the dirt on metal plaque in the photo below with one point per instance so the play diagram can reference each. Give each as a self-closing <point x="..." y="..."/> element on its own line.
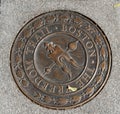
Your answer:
<point x="60" y="59"/>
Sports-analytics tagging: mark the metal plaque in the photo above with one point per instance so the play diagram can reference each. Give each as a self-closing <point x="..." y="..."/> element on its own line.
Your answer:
<point x="60" y="59"/>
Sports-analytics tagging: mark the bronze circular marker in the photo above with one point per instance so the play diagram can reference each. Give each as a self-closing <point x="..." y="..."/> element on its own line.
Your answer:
<point x="60" y="59"/>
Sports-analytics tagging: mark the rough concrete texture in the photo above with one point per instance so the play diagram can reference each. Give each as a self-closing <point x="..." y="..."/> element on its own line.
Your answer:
<point x="15" y="13"/>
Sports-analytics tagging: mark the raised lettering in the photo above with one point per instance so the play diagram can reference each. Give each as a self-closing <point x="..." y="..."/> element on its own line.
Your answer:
<point x="80" y="83"/>
<point x="86" y="77"/>
<point x="92" y="53"/>
<point x="79" y="32"/>
<point x="33" y="73"/>
<point x="64" y="28"/>
<point x="85" y="37"/>
<point x="90" y="70"/>
<point x="47" y="30"/>
<point x="72" y="29"/>
<point x="89" y="44"/>
<point x="38" y="80"/>
<point x="29" y="50"/>
<point x="32" y="44"/>
<point x="60" y="89"/>
<point x="29" y="65"/>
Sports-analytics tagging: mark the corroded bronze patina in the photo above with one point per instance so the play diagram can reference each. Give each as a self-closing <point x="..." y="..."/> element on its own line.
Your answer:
<point x="60" y="59"/>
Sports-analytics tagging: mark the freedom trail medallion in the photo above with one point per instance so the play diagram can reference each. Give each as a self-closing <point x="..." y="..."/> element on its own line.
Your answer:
<point x="60" y="59"/>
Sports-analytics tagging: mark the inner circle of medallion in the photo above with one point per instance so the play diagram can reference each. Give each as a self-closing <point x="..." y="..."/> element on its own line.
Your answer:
<point x="58" y="63"/>
<point x="36" y="77"/>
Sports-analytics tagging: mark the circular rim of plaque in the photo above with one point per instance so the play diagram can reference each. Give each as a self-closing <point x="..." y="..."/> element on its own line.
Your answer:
<point x="61" y="59"/>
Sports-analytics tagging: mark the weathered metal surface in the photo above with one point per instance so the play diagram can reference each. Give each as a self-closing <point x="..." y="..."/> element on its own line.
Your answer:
<point x="60" y="59"/>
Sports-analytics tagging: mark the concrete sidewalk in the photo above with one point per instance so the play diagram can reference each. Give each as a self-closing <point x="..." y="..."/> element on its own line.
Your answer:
<point x="15" y="13"/>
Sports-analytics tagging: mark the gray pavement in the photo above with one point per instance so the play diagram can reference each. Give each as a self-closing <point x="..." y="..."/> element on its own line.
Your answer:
<point x="15" y="13"/>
